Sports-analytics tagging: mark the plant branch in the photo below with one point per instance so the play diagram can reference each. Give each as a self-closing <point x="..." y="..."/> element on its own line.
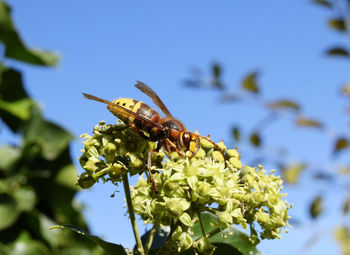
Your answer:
<point x="132" y="213"/>
<point x="201" y="224"/>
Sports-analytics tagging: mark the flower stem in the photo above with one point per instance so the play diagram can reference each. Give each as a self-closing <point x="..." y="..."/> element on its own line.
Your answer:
<point x="132" y="214"/>
<point x="150" y="238"/>
<point x="201" y="223"/>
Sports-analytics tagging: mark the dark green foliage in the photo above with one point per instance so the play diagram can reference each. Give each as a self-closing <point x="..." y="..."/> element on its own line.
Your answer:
<point x="36" y="186"/>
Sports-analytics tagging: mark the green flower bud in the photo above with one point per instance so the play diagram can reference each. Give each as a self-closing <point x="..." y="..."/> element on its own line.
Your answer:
<point x="90" y="165"/>
<point x="203" y="188"/>
<point x="110" y="148"/>
<point x="176" y="206"/>
<point x="232" y="153"/>
<point x="182" y="240"/>
<point x="200" y="153"/>
<point x="224" y="219"/>
<point x="218" y="156"/>
<point x="170" y="186"/>
<point x="235" y="162"/>
<point x="186" y="220"/>
<point x="222" y="146"/>
<point x="263" y="218"/>
<point x="204" y="246"/>
<point x="257" y="198"/>
<point x="92" y="152"/>
<point x="237" y="216"/>
<point x="115" y="172"/>
<point x="206" y="145"/>
<point x="86" y="180"/>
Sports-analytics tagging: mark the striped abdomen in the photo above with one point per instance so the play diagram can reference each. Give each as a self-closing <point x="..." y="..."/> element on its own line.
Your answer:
<point x="137" y="107"/>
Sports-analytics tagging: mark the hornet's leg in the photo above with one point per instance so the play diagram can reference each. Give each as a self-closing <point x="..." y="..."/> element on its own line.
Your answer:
<point x="170" y="146"/>
<point x="149" y="165"/>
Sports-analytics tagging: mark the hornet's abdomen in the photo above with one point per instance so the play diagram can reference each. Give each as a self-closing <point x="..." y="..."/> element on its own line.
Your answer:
<point x="137" y="107"/>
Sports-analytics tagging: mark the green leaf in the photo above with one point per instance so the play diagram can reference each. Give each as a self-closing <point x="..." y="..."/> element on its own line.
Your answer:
<point x="15" y="47"/>
<point x="12" y="91"/>
<point x="19" y="109"/>
<point x="337" y="24"/>
<point x="338" y="52"/>
<point x="304" y="122"/>
<point x="67" y="177"/>
<point x="284" y="104"/>
<point x="255" y="139"/>
<point x="51" y="138"/>
<point x="250" y="84"/>
<point x="26" y="198"/>
<point x="228" y="240"/>
<point x="316" y="207"/>
<point x="109" y="248"/>
<point x="324" y="3"/>
<point x="8" y="155"/>
<point x="25" y="245"/>
<point x="9" y="211"/>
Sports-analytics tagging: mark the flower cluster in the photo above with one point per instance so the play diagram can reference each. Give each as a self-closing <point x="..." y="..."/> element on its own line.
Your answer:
<point x="112" y="150"/>
<point x="235" y="194"/>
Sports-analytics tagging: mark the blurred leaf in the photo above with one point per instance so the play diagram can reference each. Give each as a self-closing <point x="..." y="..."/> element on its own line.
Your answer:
<point x="216" y="70"/>
<point x="250" y="84"/>
<point x="344" y="170"/>
<point x="19" y="109"/>
<point x="341" y="144"/>
<point x="291" y="173"/>
<point x="52" y="237"/>
<point x="216" y="80"/>
<point x="67" y="177"/>
<point x="346" y="205"/>
<point x="304" y="122"/>
<point x="342" y="235"/>
<point x="322" y="175"/>
<point x="234" y="238"/>
<point x="11" y="90"/>
<point x="25" y="245"/>
<point x="255" y="139"/>
<point x="51" y="138"/>
<point x="236" y="133"/>
<point x="229" y="97"/>
<point x="284" y="104"/>
<point x="324" y="3"/>
<point x="8" y="155"/>
<point x="338" y="51"/>
<point x="9" y="211"/>
<point x="337" y="24"/>
<point x="345" y="90"/>
<point x="15" y="47"/>
<point x="109" y="248"/>
<point x="316" y="207"/>
<point x="26" y="198"/>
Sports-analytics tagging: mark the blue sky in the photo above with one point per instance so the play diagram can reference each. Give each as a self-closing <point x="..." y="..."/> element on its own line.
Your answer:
<point x="106" y="45"/>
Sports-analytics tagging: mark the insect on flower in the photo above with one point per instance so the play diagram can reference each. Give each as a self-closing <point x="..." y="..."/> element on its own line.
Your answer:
<point x="167" y="131"/>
